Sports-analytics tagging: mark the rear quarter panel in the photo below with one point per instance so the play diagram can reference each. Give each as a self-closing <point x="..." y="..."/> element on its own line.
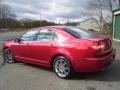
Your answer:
<point x="73" y="50"/>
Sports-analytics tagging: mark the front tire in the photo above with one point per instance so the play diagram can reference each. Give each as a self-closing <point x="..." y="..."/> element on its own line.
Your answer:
<point x="8" y="57"/>
<point x="62" y="67"/>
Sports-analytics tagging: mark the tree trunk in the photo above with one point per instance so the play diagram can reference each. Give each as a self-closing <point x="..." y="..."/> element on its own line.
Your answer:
<point x="119" y="3"/>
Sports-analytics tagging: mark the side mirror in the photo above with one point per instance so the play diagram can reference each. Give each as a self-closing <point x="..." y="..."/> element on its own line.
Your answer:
<point x="17" y="40"/>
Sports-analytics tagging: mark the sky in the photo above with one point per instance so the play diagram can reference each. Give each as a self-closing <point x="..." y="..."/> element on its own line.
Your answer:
<point x="53" y="10"/>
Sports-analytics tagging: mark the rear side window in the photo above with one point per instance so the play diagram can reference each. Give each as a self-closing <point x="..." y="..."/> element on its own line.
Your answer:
<point x="46" y="35"/>
<point x="77" y="32"/>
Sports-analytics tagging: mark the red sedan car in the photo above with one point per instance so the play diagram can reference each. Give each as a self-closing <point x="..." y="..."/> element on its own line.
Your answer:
<point x="66" y="49"/>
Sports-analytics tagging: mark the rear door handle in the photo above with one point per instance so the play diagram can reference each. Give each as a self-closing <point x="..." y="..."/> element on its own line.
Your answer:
<point x="27" y="44"/>
<point x="52" y="46"/>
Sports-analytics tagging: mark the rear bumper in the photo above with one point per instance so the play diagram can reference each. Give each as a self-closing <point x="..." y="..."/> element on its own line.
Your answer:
<point x="95" y="64"/>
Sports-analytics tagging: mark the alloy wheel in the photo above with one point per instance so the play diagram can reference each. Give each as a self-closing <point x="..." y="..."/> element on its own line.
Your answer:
<point x="63" y="67"/>
<point x="8" y="57"/>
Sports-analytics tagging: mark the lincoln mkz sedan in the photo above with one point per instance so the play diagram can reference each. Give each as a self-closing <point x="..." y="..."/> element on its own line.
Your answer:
<point x="65" y="49"/>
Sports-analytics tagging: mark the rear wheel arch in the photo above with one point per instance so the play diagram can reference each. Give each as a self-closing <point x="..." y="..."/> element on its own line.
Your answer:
<point x="53" y="58"/>
<point x="57" y="55"/>
<point x="63" y="57"/>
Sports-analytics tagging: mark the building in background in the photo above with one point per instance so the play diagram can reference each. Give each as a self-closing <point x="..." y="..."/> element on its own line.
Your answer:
<point x="116" y="25"/>
<point x="89" y="24"/>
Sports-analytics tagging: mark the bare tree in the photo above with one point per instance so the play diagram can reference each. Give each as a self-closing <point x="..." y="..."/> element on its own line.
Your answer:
<point x="5" y="12"/>
<point x="117" y="2"/>
<point x="0" y="7"/>
<point x="101" y="11"/>
<point x="6" y="16"/>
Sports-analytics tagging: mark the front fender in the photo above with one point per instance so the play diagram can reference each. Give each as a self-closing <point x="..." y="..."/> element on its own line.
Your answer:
<point x="7" y="44"/>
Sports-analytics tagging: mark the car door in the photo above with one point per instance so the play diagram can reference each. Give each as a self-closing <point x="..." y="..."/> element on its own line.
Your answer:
<point x="22" y="49"/>
<point x="41" y="49"/>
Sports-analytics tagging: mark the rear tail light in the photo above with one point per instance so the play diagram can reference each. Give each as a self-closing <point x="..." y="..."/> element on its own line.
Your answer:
<point x="98" y="47"/>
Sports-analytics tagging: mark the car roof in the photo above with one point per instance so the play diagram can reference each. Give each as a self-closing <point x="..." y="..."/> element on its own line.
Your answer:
<point x="54" y="27"/>
<point x="57" y="27"/>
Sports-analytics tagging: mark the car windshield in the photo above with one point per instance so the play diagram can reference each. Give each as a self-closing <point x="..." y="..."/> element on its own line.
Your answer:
<point x="78" y="32"/>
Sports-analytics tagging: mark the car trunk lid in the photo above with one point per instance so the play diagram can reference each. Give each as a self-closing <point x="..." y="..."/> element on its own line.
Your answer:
<point x="101" y="44"/>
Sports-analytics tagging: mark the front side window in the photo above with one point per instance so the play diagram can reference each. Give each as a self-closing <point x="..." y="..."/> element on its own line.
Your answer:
<point x="46" y="35"/>
<point x="29" y="36"/>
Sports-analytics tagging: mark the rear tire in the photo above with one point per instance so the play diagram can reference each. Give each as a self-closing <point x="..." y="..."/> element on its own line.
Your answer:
<point x="8" y="57"/>
<point x="63" y="67"/>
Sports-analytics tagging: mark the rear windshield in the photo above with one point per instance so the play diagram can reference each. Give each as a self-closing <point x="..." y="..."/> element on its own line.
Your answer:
<point x="78" y="32"/>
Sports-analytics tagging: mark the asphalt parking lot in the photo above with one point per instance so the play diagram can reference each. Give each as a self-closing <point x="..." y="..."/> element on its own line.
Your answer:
<point x="20" y="76"/>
